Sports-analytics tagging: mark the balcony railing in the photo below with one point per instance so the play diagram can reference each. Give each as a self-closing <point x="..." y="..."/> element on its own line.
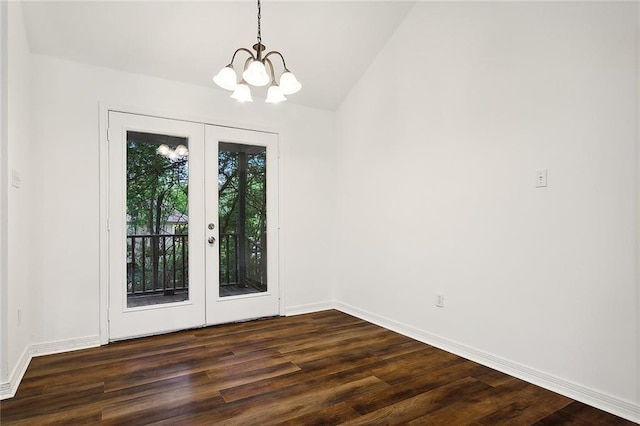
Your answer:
<point x="231" y="262"/>
<point x="157" y="264"/>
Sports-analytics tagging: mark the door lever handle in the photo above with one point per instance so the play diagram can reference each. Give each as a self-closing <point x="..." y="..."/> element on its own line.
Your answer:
<point x="212" y="240"/>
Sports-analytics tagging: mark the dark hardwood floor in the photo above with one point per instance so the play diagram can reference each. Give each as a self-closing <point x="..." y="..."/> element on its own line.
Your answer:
<point x="320" y="368"/>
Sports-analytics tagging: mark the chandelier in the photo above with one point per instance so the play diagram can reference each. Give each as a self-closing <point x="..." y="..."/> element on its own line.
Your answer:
<point x="255" y="73"/>
<point x="176" y="154"/>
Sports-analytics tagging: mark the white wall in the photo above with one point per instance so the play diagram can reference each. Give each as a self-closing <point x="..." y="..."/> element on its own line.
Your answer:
<point x="4" y="366"/>
<point x="65" y="263"/>
<point x="637" y="295"/>
<point x="16" y="316"/>
<point x="439" y="142"/>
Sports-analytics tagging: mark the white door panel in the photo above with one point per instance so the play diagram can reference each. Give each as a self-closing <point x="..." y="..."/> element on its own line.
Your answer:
<point x="141" y="277"/>
<point x="254" y="293"/>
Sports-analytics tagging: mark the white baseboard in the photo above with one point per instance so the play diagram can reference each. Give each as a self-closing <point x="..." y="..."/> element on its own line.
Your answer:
<point x="619" y="407"/>
<point x="307" y="309"/>
<point x="9" y="389"/>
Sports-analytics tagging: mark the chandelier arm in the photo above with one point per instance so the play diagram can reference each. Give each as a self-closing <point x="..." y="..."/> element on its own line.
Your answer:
<point x="267" y="61"/>
<point x="246" y="63"/>
<point x="275" y="52"/>
<point x="233" y="58"/>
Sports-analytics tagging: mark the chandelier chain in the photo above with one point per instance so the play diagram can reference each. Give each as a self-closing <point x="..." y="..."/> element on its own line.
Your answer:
<point x="259" y="16"/>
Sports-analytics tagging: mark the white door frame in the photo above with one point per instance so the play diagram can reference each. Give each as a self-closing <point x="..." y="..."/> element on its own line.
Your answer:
<point x="103" y="119"/>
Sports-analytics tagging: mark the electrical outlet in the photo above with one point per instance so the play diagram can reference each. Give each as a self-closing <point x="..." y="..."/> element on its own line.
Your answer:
<point x="541" y="178"/>
<point x="440" y="300"/>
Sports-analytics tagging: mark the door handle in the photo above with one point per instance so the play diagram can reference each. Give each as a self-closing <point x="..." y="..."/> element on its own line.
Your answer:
<point x="212" y="239"/>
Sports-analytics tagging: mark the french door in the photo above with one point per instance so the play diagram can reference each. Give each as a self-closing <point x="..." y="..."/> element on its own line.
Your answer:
<point x="241" y="203"/>
<point x="192" y="225"/>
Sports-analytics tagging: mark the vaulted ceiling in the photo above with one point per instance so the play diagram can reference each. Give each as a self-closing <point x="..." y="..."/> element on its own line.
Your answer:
<point x="328" y="44"/>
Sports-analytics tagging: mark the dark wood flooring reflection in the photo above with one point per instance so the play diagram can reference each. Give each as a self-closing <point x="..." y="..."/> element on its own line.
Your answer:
<point x="320" y="368"/>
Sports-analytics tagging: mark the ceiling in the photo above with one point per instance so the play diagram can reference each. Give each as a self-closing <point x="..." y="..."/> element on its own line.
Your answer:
<point x="327" y="44"/>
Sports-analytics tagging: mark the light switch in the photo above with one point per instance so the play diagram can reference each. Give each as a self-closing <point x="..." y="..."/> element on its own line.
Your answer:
<point x="541" y="178"/>
<point x="15" y="178"/>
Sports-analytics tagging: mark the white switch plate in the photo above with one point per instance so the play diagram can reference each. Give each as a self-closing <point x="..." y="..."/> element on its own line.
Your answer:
<point x="15" y="178"/>
<point x="541" y="178"/>
<point x="440" y="300"/>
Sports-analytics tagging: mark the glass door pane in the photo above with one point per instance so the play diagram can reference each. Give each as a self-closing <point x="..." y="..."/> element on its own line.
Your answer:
<point x="242" y="211"/>
<point x="157" y="219"/>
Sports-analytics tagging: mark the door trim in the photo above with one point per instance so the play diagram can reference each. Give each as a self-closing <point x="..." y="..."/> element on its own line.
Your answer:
<point x="103" y="215"/>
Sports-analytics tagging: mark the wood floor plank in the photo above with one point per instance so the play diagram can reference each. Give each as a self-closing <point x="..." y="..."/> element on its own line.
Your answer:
<point x="195" y="380"/>
<point x="399" y="369"/>
<point x="332" y="415"/>
<point x="76" y="417"/>
<point x="471" y="408"/>
<point x="579" y="414"/>
<point x="320" y="368"/>
<point x="282" y="387"/>
<point x="136" y="372"/>
<point x="145" y="409"/>
<point x="519" y="407"/>
<point x="420" y="405"/>
<point x="226" y="381"/>
<point x="56" y="403"/>
<point x="415" y="385"/>
<point x="302" y="404"/>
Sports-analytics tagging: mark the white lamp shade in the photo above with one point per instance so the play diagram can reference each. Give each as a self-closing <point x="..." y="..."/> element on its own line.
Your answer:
<point x="163" y="149"/>
<point x="256" y="74"/>
<point x="289" y="84"/>
<point x="275" y="95"/>
<point x="226" y="78"/>
<point x="181" y="151"/>
<point x="242" y="93"/>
